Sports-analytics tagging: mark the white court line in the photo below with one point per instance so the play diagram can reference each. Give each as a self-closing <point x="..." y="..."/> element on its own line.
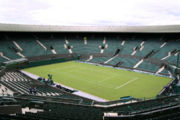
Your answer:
<point x="126" y="83"/>
<point x="106" y="79"/>
<point x="84" y="72"/>
<point x="62" y="68"/>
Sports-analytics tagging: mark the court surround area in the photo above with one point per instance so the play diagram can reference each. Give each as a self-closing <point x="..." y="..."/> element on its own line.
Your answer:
<point x="104" y="82"/>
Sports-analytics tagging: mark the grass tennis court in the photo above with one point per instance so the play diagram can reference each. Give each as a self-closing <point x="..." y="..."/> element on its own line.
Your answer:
<point x="104" y="82"/>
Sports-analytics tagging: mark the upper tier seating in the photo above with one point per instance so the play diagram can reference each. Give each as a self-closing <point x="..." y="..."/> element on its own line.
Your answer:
<point x="149" y="45"/>
<point x="126" y="62"/>
<point x="2" y="59"/>
<point x="129" y="45"/>
<point x="113" y="45"/>
<point x="30" y="47"/>
<point x="55" y="42"/>
<point x="170" y="46"/>
<point x="92" y="45"/>
<point x="8" y="49"/>
<point x="137" y="46"/>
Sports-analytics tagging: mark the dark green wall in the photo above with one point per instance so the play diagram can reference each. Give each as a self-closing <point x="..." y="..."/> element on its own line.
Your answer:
<point x="46" y="62"/>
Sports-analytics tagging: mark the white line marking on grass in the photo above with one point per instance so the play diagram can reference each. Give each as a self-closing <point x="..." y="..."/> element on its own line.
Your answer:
<point x="126" y="83"/>
<point x="84" y="80"/>
<point x="104" y="79"/>
<point x="59" y="69"/>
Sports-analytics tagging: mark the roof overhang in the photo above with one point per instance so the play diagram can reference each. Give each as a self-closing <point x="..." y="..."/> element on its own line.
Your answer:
<point x="117" y="29"/>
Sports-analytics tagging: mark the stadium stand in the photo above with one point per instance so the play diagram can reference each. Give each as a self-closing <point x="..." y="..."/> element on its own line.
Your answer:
<point x="92" y="45"/>
<point x="53" y="43"/>
<point x="126" y="62"/>
<point x="2" y="59"/>
<point x="129" y="46"/>
<point x="113" y="44"/>
<point x="8" y="49"/>
<point x="148" y="66"/>
<point x="167" y="50"/>
<point x="148" y="52"/>
<point x="147" y="46"/>
<point x="99" y="59"/>
<point x="21" y="84"/>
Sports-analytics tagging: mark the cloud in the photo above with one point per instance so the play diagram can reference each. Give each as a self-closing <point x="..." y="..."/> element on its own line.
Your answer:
<point x="19" y="11"/>
<point x="91" y="12"/>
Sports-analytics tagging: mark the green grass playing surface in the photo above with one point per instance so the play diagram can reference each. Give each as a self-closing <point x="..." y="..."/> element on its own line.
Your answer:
<point x="104" y="82"/>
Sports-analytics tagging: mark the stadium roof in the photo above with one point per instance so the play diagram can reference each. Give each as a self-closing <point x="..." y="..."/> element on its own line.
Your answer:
<point x="119" y="29"/>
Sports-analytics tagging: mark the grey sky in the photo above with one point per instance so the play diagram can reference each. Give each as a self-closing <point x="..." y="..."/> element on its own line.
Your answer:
<point x="91" y="12"/>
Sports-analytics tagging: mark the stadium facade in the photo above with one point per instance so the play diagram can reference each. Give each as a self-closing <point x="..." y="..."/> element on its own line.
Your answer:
<point x="116" y="29"/>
